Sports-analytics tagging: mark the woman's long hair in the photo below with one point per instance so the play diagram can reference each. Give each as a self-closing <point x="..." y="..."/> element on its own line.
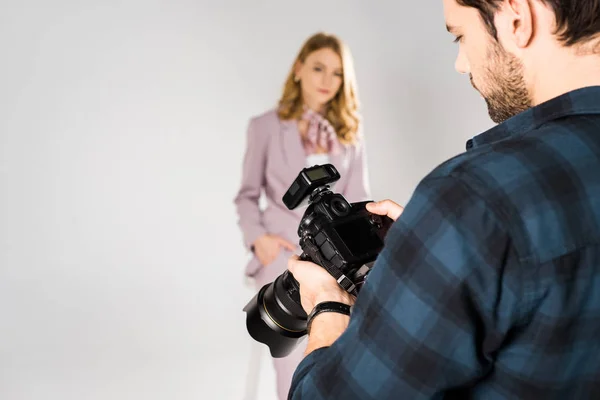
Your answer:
<point x="342" y="110"/>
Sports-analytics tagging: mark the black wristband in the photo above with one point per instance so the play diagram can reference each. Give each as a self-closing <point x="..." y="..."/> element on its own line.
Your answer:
<point x="327" y="306"/>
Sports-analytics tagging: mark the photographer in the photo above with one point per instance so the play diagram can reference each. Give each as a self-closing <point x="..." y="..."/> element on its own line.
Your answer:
<point x="489" y="283"/>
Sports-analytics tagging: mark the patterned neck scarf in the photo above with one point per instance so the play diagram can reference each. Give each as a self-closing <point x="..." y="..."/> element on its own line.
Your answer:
<point x="320" y="133"/>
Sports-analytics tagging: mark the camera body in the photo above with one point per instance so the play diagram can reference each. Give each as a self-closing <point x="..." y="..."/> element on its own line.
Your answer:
<point x="333" y="230"/>
<point x="342" y="237"/>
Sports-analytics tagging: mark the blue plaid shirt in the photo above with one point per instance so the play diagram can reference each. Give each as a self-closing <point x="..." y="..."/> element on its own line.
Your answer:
<point x="489" y="283"/>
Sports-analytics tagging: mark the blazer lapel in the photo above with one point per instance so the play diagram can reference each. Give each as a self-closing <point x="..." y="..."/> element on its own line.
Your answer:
<point x="291" y="147"/>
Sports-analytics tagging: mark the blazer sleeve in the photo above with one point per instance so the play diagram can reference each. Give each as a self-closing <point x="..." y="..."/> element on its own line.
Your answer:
<point x="253" y="180"/>
<point x="358" y="186"/>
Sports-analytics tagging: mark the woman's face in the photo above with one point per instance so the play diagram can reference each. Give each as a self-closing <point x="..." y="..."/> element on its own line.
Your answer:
<point x="321" y="77"/>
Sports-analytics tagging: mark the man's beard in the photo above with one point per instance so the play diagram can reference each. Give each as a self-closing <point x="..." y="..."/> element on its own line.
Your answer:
<point x="505" y="93"/>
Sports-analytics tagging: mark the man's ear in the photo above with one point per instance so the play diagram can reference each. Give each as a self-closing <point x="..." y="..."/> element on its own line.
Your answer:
<point x="520" y="23"/>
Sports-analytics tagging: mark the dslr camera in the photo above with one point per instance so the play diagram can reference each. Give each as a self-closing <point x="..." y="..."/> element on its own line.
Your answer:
<point x="342" y="237"/>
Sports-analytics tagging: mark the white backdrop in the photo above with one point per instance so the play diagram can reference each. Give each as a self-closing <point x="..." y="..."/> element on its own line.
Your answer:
<point x="122" y="127"/>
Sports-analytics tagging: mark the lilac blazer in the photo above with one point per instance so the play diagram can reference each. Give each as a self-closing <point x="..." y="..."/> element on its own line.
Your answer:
<point x="274" y="157"/>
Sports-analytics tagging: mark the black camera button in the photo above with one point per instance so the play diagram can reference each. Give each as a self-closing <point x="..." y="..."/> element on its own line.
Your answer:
<point x="306" y="222"/>
<point x="328" y="251"/>
<point x="337" y="261"/>
<point x="320" y="239"/>
<point x="376" y="221"/>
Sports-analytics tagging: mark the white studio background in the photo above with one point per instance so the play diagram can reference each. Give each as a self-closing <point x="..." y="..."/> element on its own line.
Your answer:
<point x="122" y="128"/>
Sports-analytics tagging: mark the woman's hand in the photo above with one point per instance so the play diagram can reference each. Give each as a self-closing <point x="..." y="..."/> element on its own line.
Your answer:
<point x="267" y="248"/>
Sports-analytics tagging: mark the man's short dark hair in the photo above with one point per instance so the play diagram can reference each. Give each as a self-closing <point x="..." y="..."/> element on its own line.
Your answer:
<point x="577" y="20"/>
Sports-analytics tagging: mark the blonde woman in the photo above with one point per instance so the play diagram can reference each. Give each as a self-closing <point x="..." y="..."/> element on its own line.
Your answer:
<point x="315" y="122"/>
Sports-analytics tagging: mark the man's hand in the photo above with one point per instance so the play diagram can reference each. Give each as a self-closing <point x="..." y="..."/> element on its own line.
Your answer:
<point x="386" y="207"/>
<point x="267" y="248"/>
<point x="316" y="285"/>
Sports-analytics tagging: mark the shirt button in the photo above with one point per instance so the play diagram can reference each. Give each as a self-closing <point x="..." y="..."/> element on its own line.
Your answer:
<point x="469" y="144"/>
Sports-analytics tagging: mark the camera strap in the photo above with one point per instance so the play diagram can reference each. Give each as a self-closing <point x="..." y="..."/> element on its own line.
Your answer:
<point x="315" y="255"/>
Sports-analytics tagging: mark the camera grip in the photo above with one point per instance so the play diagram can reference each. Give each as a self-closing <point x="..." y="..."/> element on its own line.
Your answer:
<point x="312" y="253"/>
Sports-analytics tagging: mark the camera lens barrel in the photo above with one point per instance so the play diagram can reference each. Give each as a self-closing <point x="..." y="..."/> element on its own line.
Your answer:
<point x="282" y="304"/>
<point x="275" y="318"/>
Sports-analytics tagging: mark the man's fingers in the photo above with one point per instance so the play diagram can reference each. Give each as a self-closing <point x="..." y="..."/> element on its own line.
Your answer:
<point x="386" y="207"/>
<point x="300" y="266"/>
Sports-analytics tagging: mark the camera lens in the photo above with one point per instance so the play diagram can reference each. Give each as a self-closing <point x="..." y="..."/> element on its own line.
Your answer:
<point x="339" y="206"/>
<point x="275" y="316"/>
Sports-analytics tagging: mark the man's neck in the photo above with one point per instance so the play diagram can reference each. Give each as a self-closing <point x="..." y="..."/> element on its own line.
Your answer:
<point x="565" y="74"/>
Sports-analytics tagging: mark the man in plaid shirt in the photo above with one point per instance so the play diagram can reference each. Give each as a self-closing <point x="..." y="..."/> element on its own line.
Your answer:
<point x="489" y="283"/>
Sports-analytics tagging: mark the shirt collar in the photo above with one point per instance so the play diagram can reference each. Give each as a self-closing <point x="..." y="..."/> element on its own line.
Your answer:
<point x="583" y="101"/>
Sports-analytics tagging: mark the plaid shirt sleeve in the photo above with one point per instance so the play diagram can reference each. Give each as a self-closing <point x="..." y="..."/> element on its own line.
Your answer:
<point x="434" y="310"/>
